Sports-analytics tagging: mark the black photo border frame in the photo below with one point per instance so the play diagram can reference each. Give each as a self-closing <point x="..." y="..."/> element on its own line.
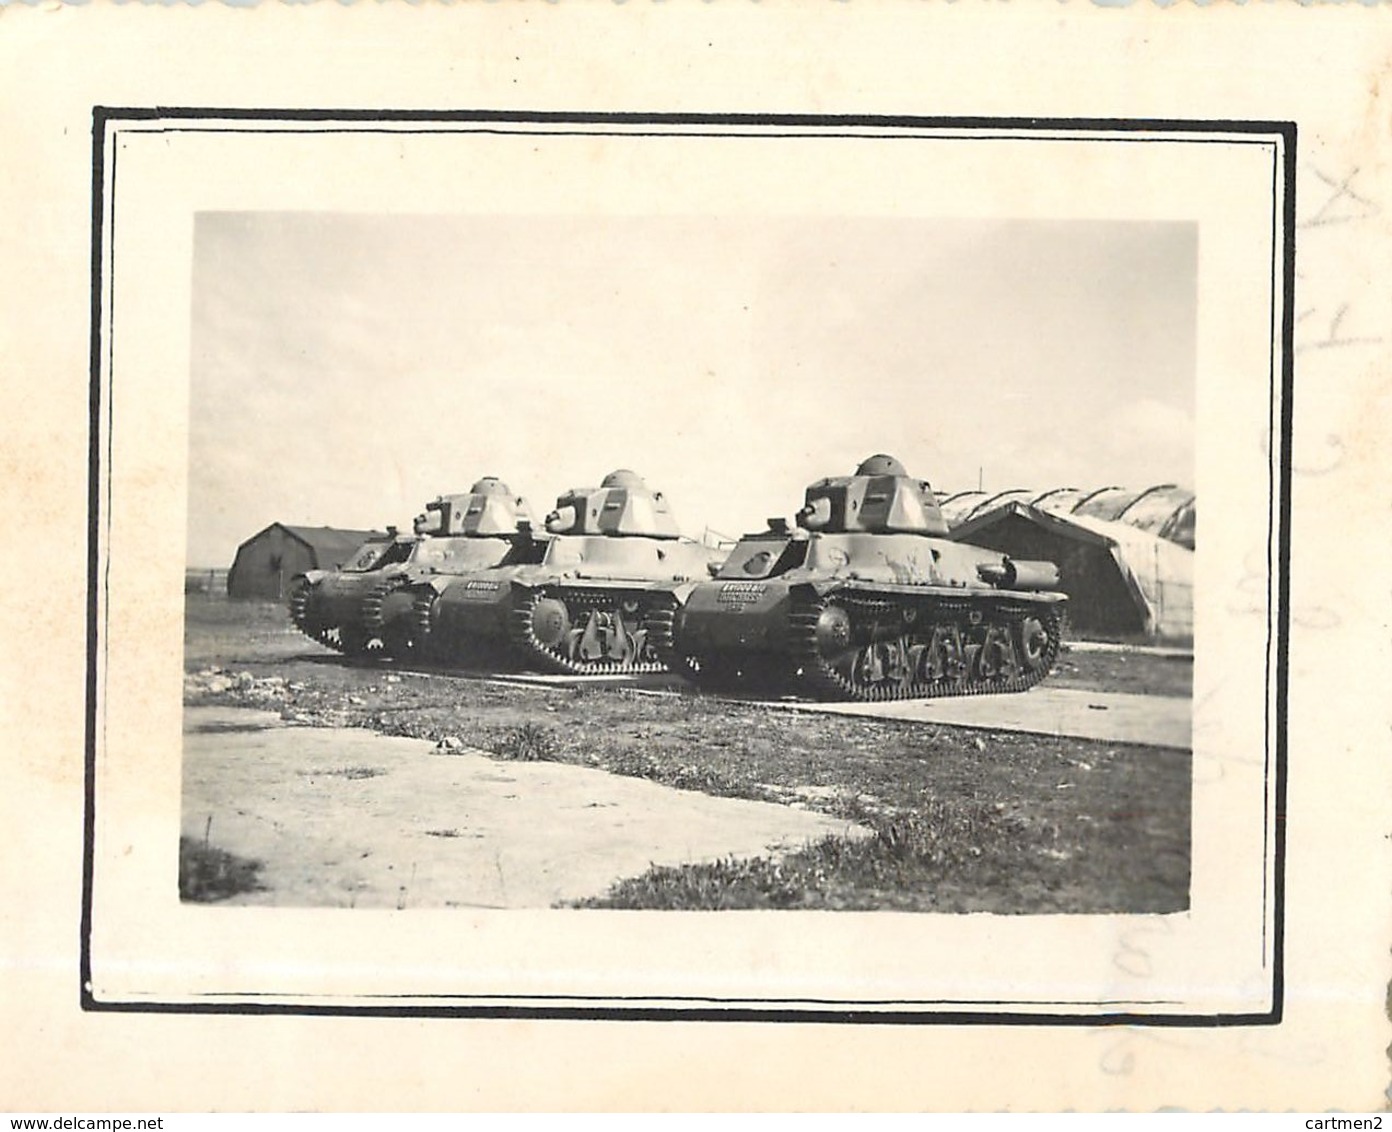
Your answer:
<point x="109" y="120"/>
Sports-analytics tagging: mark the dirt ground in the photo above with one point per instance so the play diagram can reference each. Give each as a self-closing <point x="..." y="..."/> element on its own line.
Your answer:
<point x="1036" y="824"/>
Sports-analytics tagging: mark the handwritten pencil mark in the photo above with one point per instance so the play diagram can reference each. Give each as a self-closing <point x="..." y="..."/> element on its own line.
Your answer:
<point x="1333" y="211"/>
<point x="1335" y="337"/>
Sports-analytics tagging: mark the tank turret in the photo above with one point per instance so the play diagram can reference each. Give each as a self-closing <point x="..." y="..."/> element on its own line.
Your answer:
<point x="881" y="498"/>
<point x="488" y="509"/>
<point x="623" y="504"/>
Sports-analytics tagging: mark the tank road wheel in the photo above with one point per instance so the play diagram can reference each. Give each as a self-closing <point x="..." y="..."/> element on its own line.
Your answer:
<point x="863" y="648"/>
<point x="880" y="670"/>
<point x="944" y="661"/>
<point x="995" y="658"/>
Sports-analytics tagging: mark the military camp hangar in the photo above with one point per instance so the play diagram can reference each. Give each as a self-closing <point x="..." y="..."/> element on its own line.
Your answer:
<point x="267" y="561"/>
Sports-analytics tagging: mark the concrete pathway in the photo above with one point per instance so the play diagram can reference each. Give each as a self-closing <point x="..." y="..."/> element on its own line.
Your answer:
<point x="344" y="817"/>
<point x="1113" y="717"/>
<point x="1164" y="651"/>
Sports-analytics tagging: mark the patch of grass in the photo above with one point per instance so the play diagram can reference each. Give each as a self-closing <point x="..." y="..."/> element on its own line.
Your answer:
<point x="633" y="764"/>
<point x="708" y="780"/>
<point x="527" y="743"/>
<point x="208" y="874"/>
<point x="921" y="861"/>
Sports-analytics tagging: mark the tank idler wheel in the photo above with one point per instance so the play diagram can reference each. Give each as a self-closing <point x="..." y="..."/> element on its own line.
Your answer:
<point x="1031" y="641"/>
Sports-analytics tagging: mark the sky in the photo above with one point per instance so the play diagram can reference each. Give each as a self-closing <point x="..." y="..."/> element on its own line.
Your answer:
<point x="345" y="368"/>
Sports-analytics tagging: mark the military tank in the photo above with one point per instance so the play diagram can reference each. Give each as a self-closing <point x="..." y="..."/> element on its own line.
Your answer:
<point x="366" y="605"/>
<point x="614" y="565"/>
<point x="867" y="599"/>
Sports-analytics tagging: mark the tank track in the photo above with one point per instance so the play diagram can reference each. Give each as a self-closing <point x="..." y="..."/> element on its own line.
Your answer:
<point x="981" y="654"/>
<point x="306" y="623"/>
<point x="371" y="609"/>
<point x="372" y="626"/>
<point x="580" y="605"/>
<point x="351" y="640"/>
<point x="426" y="642"/>
<point x="662" y="639"/>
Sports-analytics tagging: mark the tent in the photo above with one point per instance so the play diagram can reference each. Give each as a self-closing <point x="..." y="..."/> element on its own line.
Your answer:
<point x="1122" y="581"/>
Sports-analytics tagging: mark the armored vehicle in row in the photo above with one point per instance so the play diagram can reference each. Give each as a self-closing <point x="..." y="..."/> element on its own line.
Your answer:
<point x="868" y="599"/>
<point x="367" y="605"/>
<point x="614" y="564"/>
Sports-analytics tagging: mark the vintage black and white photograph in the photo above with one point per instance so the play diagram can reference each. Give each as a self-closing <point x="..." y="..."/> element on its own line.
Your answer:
<point x="855" y="572"/>
<point x="786" y="532"/>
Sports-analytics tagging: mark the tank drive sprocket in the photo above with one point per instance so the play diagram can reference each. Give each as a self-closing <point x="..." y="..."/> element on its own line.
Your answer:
<point x="398" y="640"/>
<point x="302" y="614"/>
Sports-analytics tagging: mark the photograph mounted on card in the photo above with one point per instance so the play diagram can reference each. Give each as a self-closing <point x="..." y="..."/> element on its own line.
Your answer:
<point x="692" y="566"/>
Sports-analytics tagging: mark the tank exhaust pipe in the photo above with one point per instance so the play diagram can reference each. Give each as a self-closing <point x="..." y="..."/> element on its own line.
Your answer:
<point x="1012" y="575"/>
